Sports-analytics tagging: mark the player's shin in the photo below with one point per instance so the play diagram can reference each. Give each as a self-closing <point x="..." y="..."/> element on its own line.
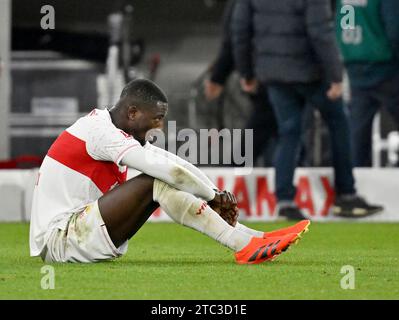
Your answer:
<point x="188" y="210"/>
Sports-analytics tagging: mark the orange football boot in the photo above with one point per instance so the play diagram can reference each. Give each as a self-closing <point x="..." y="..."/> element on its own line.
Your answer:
<point x="259" y="249"/>
<point x="300" y="228"/>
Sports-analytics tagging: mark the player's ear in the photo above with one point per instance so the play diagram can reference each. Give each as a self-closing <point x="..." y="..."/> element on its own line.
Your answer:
<point x="132" y="112"/>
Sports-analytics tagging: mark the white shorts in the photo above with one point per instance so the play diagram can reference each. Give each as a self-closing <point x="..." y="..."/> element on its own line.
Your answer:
<point x="85" y="240"/>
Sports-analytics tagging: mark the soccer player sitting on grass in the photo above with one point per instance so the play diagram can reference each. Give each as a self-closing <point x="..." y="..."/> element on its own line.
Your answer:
<point x="84" y="210"/>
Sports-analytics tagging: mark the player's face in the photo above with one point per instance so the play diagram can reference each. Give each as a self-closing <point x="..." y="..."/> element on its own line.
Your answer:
<point x="149" y="119"/>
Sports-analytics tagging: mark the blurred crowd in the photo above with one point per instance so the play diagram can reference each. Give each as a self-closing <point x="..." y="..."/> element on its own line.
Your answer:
<point x="290" y="54"/>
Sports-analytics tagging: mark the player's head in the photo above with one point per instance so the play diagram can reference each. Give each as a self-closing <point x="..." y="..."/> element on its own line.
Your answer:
<point x="142" y="106"/>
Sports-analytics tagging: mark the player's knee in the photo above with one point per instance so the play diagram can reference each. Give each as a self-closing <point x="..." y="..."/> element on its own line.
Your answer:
<point x="290" y="128"/>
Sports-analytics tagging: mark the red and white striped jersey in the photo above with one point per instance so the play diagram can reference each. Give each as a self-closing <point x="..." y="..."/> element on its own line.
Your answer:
<point x="81" y="165"/>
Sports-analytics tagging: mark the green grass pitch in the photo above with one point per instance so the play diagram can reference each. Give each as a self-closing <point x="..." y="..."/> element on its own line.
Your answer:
<point x="167" y="261"/>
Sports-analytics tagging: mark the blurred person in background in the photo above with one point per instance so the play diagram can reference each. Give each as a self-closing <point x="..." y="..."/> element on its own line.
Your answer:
<point x="262" y="119"/>
<point x="371" y="53"/>
<point x="290" y="47"/>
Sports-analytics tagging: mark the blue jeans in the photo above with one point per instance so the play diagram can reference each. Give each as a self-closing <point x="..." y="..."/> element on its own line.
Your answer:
<point x="364" y="104"/>
<point x="289" y="102"/>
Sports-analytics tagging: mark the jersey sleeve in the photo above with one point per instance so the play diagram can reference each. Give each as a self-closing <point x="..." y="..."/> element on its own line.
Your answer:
<point x="107" y="143"/>
<point x="185" y="164"/>
<point x="167" y="170"/>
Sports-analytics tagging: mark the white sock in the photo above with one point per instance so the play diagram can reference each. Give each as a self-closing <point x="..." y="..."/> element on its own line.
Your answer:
<point x="249" y="231"/>
<point x="193" y="212"/>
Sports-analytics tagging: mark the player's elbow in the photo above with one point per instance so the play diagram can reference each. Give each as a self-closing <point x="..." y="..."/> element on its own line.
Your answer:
<point x="178" y="174"/>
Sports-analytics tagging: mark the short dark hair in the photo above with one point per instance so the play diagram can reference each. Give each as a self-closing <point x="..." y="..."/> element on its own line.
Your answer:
<point x="143" y="92"/>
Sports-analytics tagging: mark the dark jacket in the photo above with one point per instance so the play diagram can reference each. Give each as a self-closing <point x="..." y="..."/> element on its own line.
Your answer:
<point x="286" y="41"/>
<point x="369" y="74"/>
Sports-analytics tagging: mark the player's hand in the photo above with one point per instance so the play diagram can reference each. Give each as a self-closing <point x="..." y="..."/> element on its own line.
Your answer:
<point x="335" y="91"/>
<point x="249" y="86"/>
<point x="212" y="90"/>
<point x="225" y="204"/>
